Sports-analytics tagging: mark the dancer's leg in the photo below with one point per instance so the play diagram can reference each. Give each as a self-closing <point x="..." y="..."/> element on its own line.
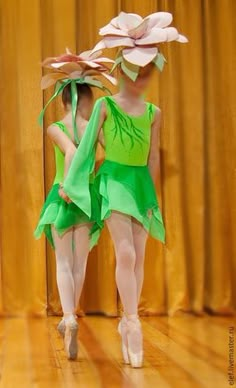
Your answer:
<point x="68" y="327"/>
<point x="140" y="239"/>
<point x="64" y="264"/>
<point x="120" y="228"/>
<point x="81" y="251"/>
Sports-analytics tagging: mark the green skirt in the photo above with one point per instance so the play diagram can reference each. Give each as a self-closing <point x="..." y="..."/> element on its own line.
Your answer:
<point x="130" y="190"/>
<point x="64" y="216"/>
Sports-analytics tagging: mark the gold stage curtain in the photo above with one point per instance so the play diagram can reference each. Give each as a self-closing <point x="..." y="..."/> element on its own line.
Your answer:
<point x="196" y="268"/>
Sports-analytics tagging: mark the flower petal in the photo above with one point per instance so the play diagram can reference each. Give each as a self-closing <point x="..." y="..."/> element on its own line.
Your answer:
<point x="57" y="65"/>
<point x="156" y="35"/>
<point x="127" y="21"/>
<point x="114" y="22"/>
<point x="90" y="64"/>
<point x="139" y="31"/>
<point x="75" y="75"/>
<point x="116" y="41"/>
<point x="110" y="78"/>
<point x="48" y="61"/>
<point x="87" y="54"/>
<point x="99" y="46"/>
<point x="67" y="58"/>
<point x="68" y="51"/>
<point x="103" y="60"/>
<point x="91" y="72"/>
<point x="50" y="79"/>
<point x="70" y="67"/>
<point x="159" y="19"/>
<point x="171" y="33"/>
<point x="140" y="56"/>
<point x="182" y="39"/>
<point x="110" y="30"/>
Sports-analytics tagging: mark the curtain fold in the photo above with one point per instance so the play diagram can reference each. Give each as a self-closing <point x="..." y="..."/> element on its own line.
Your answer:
<point x="22" y="261"/>
<point x="195" y="270"/>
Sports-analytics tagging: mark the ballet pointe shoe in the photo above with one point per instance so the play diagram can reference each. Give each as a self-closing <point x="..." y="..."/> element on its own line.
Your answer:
<point x="61" y="327"/>
<point x="122" y="330"/>
<point x="70" y="337"/>
<point x="135" y="341"/>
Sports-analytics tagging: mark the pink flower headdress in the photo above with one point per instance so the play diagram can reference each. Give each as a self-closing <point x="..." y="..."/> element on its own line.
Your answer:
<point x="139" y="40"/>
<point x="75" y="69"/>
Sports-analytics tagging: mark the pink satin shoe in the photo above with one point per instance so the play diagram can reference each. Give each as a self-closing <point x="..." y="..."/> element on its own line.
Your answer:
<point x="61" y="327"/>
<point x="135" y="341"/>
<point x="70" y="338"/>
<point x="122" y="330"/>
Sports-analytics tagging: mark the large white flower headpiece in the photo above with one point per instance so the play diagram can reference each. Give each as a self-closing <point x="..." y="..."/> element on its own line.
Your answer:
<point x="84" y="67"/>
<point x="139" y="39"/>
<point x="71" y="69"/>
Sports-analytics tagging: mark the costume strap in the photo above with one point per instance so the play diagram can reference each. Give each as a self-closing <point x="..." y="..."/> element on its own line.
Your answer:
<point x="63" y="127"/>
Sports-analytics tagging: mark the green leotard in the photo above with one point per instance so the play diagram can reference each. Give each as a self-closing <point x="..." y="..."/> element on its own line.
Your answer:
<point x="56" y="211"/>
<point x="127" y="138"/>
<point x="123" y="182"/>
<point x="59" y="156"/>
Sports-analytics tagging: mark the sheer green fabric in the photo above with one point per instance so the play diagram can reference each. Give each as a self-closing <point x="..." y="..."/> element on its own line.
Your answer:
<point x="130" y="190"/>
<point x="76" y="184"/>
<point x="63" y="216"/>
<point x="121" y="186"/>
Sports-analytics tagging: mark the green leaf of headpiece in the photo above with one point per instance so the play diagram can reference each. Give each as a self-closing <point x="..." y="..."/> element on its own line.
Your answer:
<point x="159" y="61"/>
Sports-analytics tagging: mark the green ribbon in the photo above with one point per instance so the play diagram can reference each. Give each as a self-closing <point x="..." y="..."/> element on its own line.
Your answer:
<point x="60" y="85"/>
<point x="74" y="101"/>
<point x="58" y="90"/>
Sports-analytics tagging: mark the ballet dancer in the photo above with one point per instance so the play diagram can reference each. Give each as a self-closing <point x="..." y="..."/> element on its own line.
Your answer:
<point x="125" y="180"/>
<point x="66" y="226"/>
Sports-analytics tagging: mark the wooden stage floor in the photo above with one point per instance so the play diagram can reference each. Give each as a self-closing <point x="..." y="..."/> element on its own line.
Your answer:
<point x="180" y="352"/>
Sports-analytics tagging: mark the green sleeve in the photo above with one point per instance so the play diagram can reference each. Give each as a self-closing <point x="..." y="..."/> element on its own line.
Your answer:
<point x="76" y="184"/>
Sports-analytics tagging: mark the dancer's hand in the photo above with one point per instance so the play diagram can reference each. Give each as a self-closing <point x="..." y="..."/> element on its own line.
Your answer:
<point x="63" y="195"/>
